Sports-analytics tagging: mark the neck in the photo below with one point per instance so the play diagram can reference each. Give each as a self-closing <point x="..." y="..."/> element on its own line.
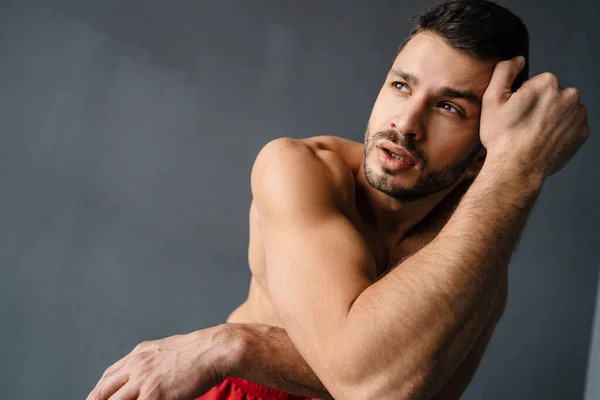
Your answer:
<point x="392" y="219"/>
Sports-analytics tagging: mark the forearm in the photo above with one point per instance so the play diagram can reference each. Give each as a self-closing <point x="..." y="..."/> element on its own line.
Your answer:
<point x="267" y="356"/>
<point x="462" y="376"/>
<point x="418" y="323"/>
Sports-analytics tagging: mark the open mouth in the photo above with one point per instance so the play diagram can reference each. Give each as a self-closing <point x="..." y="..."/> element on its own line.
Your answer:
<point x="396" y="156"/>
<point x="396" y="153"/>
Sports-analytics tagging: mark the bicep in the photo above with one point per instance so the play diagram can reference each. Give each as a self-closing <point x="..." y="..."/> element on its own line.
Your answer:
<point x="317" y="262"/>
<point x="315" y="268"/>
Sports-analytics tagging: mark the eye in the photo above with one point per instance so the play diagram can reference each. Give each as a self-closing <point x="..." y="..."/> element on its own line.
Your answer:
<point x="399" y="86"/>
<point x="451" y="108"/>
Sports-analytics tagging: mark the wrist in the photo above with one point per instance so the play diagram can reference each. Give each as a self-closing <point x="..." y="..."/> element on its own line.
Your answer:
<point x="226" y="350"/>
<point x="242" y="348"/>
<point x="236" y="350"/>
<point x="265" y="355"/>
<point x="513" y="176"/>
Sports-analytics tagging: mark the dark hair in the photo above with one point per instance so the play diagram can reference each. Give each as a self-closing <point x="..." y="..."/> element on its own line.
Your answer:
<point x="479" y="28"/>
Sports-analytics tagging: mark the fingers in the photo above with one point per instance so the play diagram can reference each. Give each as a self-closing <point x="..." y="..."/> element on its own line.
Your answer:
<point x="127" y="392"/>
<point x="585" y="130"/>
<point x="108" y="386"/>
<point x="115" y="367"/>
<point x="583" y="111"/>
<point x="572" y="95"/>
<point x="582" y="128"/>
<point x="505" y="73"/>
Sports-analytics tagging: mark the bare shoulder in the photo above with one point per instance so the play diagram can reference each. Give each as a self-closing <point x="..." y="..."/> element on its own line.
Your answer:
<point x="293" y="169"/>
<point x="348" y="150"/>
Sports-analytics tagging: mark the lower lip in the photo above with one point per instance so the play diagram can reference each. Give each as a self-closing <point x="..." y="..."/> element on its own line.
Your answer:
<point x="392" y="163"/>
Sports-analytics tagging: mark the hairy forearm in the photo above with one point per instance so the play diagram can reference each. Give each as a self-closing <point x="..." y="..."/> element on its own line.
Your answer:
<point x="462" y="376"/>
<point x="419" y="322"/>
<point x="268" y="357"/>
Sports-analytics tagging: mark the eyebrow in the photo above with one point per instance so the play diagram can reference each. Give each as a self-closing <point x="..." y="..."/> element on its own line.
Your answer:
<point x="444" y="90"/>
<point x="461" y="94"/>
<point x="407" y="76"/>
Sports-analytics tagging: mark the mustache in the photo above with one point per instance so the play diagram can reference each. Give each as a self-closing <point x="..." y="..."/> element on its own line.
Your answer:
<point x="403" y="141"/>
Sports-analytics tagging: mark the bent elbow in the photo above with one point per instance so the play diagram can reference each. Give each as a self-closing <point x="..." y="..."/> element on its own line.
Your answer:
<point x="353" y="378"/>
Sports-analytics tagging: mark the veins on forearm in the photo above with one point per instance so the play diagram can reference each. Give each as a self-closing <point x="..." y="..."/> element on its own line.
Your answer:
<point x="272" y="360"/>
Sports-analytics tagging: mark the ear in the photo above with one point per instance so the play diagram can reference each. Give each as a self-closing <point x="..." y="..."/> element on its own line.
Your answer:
<point x="476" y="165"/>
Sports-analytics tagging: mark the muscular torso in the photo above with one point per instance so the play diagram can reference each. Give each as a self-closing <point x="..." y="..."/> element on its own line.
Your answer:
<point x="258" y="308"/>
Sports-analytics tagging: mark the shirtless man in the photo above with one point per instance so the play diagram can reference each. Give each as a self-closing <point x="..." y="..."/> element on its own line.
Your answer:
<point x="368" y="280"/>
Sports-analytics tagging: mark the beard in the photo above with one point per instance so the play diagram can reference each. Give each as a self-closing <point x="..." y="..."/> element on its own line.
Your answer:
<point x="428" y="182"/>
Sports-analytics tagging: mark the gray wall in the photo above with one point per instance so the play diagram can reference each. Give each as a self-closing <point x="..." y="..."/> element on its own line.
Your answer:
<point x="128" y="132"/>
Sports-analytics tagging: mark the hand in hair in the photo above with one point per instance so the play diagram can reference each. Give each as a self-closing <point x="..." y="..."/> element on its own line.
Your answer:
<point x="536" y="129"/>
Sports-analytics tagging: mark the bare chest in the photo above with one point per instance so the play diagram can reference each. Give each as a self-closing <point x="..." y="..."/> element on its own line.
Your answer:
<point x="387" y="258"/>
<point x="258" y="307"/>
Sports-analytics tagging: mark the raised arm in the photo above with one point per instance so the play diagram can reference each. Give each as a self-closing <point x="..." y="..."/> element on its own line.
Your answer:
<point x="404" y="335"/>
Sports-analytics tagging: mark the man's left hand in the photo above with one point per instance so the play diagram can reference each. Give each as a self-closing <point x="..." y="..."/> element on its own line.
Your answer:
<point x="174" y="368"/>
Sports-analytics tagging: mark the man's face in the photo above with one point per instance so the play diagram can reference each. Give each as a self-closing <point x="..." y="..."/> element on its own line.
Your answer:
<point x="428" y="107"/>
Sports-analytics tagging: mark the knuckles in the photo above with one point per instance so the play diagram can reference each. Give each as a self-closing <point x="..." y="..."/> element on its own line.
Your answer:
<point x="548" y="79"/>
<point x="142" y="357"/>
<point x="107" y="372"/>
<point x="148" y="345"/>
<point x="572" y="95"/>
<point x="142" y="346"/>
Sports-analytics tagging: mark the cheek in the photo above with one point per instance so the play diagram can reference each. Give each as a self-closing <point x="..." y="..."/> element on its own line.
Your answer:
<point x="451" y="143"/>
<point x="381" y="112"/>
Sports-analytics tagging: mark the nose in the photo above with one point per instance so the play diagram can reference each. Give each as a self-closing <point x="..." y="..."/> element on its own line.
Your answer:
<point x="408" y="121"/>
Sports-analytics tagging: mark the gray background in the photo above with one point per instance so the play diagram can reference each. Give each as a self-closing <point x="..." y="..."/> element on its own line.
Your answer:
<point x="128" y="132"/>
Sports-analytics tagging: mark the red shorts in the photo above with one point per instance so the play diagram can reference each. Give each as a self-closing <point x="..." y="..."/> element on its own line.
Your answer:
<point x="241" y="389"/>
